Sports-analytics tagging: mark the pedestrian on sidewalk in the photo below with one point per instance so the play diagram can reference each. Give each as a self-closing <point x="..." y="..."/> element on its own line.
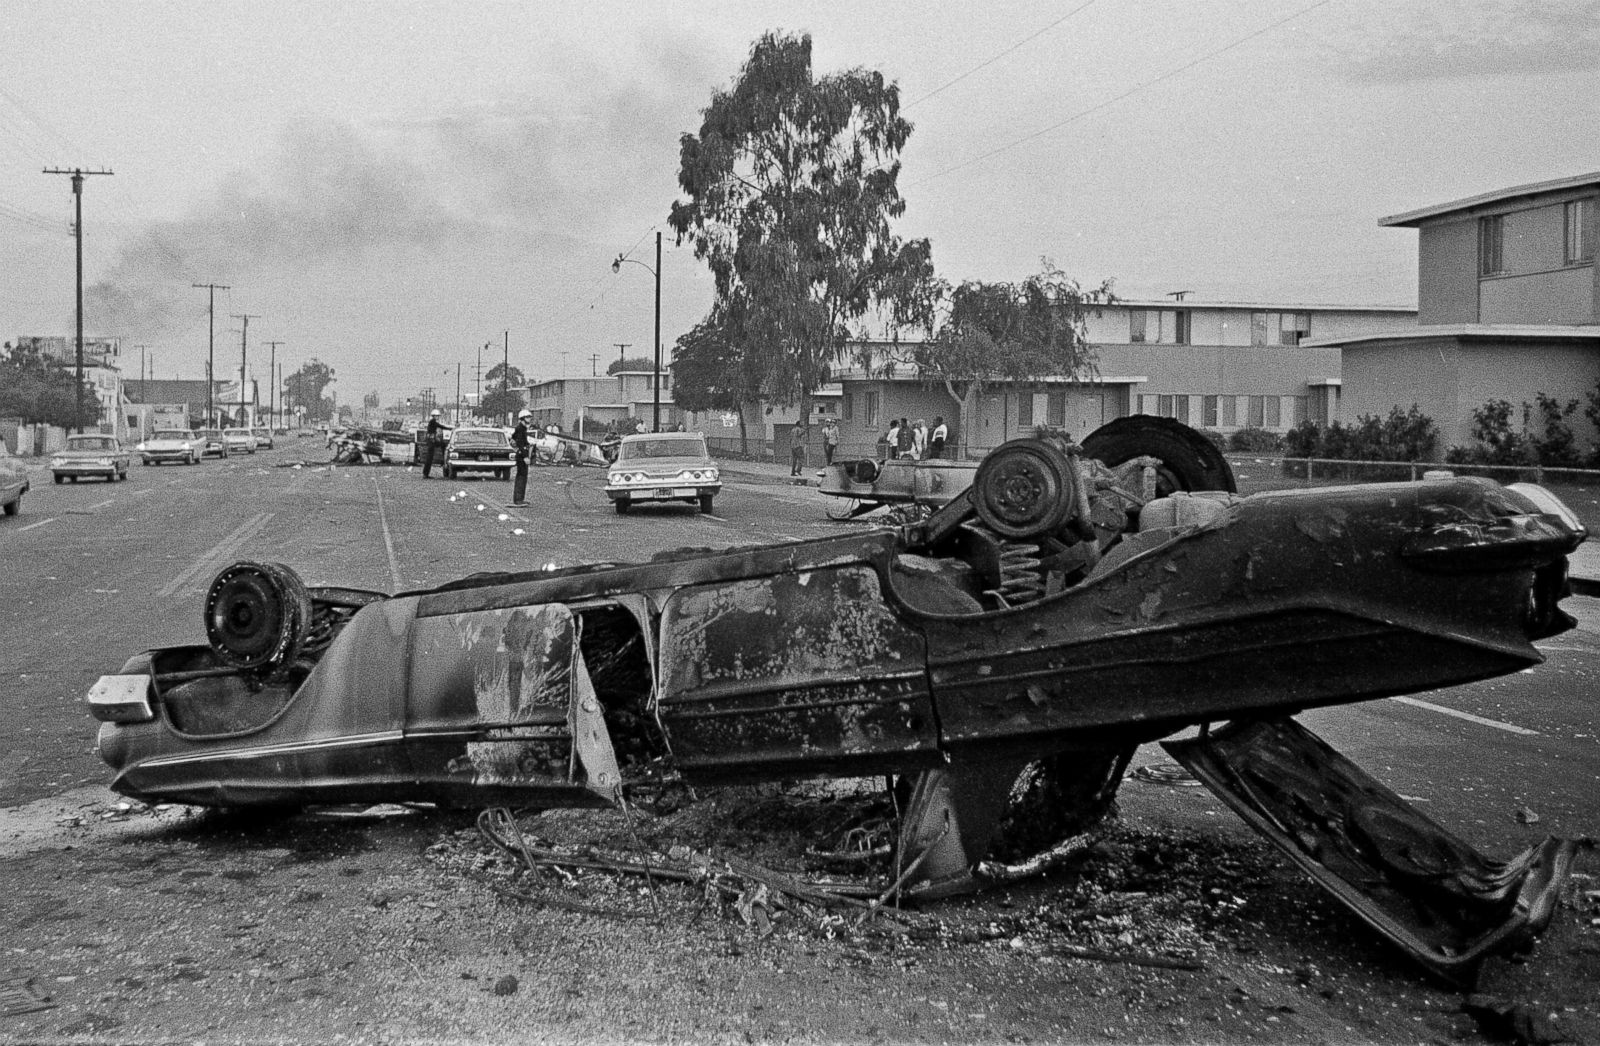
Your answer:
<point x="892" y="440"/>
<point x="903" y="443"/>
<point x="520" y="449"/>
<point x="936" y="439"/>
<point x="919" y="439"/>
<point x="797" y="447"/>
<point x="830" y="440"/>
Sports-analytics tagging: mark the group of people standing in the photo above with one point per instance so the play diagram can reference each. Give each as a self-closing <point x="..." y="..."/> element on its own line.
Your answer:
<point x="915" y="440"/>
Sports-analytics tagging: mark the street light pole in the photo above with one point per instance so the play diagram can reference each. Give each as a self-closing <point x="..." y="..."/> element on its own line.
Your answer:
<point x="616" y="266"/>
<point x="657" y="381"/>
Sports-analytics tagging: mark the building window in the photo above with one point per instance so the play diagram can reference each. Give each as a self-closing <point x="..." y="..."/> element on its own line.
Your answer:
<point x="1163" y="326"/>
<point x="1230" y="412"/>
<point x="1302" y="409"/>
<point x="1579" y="217"/>
<point x="872" y="409"/>
<point x="1257" y="412"/>
<point x="1491" y="245"/>
<point x="1279" y="328"/>
<point x="1055" y="409"/>
<point x="1208" y="411"/>
<point x="1165" y="407"/>
<point x="1024" y="409"/>
<point x="1274" y="413"/>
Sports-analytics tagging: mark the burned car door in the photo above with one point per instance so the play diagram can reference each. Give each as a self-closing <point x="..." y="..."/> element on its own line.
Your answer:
<point x="794" y="673"/>
<point x="502" y="699"/>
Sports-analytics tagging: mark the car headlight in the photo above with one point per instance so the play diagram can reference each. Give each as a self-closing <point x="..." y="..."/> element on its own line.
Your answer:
<point x="140" y="448"/>
<point x="56" y="463"/>
<point x="187" y="447"/>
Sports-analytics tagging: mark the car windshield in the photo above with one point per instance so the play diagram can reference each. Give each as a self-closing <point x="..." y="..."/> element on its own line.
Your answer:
<point x="236" y="432"/>
<point x="174" y="434"/>
<point x="665" y="447"/>
<point x="481" y="438"/>
<point x="211" y="434"/>
<point x="91" y="443"/>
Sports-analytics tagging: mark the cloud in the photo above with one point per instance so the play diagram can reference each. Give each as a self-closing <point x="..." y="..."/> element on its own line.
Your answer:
<point x="1486" y="38"/>
<point x="538" y="173"/>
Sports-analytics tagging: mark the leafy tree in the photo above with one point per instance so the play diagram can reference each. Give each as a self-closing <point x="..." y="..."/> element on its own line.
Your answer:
<point x="506" y="377"/>
<point x="633" y="363"/>
<point x="304" y="389"/>
<point x="501" y="403"/>
<point x="1013" y="332"/>
<point x="791" y="184"/>
<point x="370" y="401"/>
<point x="43" y="391"/>
<point x="711" y="372"/>
<point x="1557" y="446"/>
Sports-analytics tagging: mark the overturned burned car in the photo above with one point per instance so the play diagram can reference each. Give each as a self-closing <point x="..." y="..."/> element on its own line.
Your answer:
<point x="1000" y="660"/>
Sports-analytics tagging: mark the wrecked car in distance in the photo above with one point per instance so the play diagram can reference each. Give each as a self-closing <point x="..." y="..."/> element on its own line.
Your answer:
<point x="1013" y="647"/>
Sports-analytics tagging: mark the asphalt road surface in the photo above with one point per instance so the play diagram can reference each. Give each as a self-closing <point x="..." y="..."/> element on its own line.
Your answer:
<point x="249" y="938"/>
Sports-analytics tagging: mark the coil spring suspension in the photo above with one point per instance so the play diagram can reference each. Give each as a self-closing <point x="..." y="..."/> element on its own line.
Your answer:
<point x="1021" y="579"/>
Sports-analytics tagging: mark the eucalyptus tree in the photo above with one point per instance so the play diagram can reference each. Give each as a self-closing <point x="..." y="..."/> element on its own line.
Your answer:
<point x="790" y="188"/>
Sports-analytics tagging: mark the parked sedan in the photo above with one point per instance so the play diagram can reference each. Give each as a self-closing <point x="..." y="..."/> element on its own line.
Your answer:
<point x="1017" y="644"/>
<point x="478" y="450"/>
<point x="90" y="455"/>
<point x="264" y="439"/>
<point x="239" y="441"/>
<point x="13" y="482"/>
<point x="662" y="466"/>
<point x="179" y="445"/>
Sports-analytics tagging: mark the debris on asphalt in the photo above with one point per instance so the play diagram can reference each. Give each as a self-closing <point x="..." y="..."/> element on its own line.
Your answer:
<point x="19" y="995"/>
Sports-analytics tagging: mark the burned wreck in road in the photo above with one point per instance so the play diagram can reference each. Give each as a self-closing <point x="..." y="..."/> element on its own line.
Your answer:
<point x="1010" y="651"/>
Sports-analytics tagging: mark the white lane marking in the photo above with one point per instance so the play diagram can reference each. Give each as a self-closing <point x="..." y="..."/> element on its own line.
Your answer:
<point x="247" y="530"/>
<point x="103" y="504"/>
<point x="41" y="523"/>
<point x="1468" y="716"/>
<point x="388" y="541"/>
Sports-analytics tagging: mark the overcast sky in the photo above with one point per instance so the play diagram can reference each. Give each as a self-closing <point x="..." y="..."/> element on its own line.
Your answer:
<point x="390" y="186"/>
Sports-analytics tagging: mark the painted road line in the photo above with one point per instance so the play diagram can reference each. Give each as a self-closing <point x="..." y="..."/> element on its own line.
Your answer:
<point x="388" y="540"/>
<point x="41" y="523"/>
<point x="103" y="504"/>
<point x="1468" y="716"/>
<point x="221" y="550"/>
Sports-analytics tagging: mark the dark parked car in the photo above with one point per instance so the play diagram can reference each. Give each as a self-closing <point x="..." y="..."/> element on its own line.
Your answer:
<point x="1026" y="636"/>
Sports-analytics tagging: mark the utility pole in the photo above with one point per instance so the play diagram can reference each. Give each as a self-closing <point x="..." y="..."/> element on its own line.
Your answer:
<point x="141" y="349"/>
<point x="272" y="391"/>
<point x="657" y="381"/>
<point x="458" y="394"/>
<point x="479" y="411"/>
<point x="505" y="372"/>
<point x="594" y="365"/>
<point x="78" y="174"/>
<point x="211" y="343"/>
<point x="244" y="354"/>
<point x="622" y="346"/>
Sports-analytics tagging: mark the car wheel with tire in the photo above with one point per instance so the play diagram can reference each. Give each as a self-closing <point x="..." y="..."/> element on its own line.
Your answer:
<point x="14" y="506"/>
<point x="705" y="504"/>
<point x="1189" y="461"/>
<point x="622" y="506"/>
<point x="60" y="480"/>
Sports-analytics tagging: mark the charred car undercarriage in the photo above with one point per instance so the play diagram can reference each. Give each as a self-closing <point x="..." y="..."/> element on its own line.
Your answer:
<point x="999" y="660"/>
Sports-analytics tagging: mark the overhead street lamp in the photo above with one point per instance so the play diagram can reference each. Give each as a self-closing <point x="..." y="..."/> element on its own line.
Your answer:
<point x="616" y="266"/>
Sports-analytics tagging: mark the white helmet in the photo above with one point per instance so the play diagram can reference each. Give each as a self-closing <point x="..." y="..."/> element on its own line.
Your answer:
<point x="524" y="413"/>
<point x="436" y="412"/>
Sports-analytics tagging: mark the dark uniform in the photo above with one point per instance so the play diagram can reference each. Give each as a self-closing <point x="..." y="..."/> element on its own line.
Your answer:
<point x="521" y="448"/>
<point x="438" y="432"/>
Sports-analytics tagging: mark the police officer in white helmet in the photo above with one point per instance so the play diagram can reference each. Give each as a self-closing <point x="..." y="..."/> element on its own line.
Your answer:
<point x="438" y="433"/>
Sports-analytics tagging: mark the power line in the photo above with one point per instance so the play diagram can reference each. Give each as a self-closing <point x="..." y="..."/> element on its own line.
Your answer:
<point x="985" y="64"/>
<point x="1126" y="94"/>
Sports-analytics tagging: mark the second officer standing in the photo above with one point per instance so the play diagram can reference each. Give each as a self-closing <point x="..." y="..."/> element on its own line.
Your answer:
<point x="520" y="448"/>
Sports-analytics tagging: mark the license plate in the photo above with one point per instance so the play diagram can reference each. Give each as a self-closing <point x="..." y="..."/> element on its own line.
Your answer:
<point x="663" y="492"/>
